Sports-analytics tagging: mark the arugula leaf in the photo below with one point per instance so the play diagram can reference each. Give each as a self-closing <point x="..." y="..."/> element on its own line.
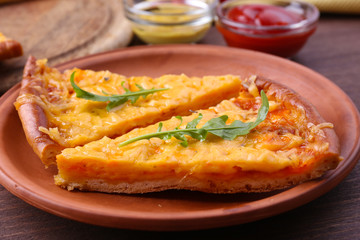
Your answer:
<point x="113" y="99"/>
<point x="194" y="122"/>
<point x="216" y="126"/>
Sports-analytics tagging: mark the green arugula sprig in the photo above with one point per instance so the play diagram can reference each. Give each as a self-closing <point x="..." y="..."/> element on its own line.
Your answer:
<point x="216" y="126"/>
<point x="113" y="99"/>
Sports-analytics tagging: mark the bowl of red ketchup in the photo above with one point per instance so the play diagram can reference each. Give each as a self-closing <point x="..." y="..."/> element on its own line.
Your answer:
<point x="279" y="27"/>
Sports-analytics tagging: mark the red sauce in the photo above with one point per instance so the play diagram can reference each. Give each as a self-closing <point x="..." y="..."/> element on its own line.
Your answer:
<point x="282" y="42"/>
<point x="263" y="15"/>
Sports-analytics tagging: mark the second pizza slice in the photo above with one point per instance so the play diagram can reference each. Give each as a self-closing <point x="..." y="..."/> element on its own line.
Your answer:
<point x="245" y="144"/>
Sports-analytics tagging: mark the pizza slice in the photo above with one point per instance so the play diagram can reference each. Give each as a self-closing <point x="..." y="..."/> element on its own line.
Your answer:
<point x="54" y="117"/>
<point x="250" y="143"/>
<point x="9" y="48"/>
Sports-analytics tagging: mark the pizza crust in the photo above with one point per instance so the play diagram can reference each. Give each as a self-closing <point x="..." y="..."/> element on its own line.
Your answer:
<point x="251" y="184"/>
<point x="33" y="117"/>
<point x="287" y="95"/>
<point x="9" y="49"/>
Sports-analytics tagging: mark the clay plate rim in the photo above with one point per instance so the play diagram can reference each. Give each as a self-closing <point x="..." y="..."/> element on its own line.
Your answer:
<point x="175" y="59"/>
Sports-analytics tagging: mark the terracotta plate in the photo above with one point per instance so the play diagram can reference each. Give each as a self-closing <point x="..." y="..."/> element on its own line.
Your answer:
<point x="22" y="173"/>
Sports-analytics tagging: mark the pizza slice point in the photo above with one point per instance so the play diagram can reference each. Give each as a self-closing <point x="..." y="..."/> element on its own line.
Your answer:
<point x="54" y="117"/>
<point x="291" y="145"/>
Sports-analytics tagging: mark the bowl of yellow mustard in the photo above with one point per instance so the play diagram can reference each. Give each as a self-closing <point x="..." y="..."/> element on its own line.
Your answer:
<point x="166" y="22"/>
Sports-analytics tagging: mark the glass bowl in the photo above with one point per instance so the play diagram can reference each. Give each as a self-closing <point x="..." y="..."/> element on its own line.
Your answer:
<point x="279" y="27"/>
<point x="177" y="21"/>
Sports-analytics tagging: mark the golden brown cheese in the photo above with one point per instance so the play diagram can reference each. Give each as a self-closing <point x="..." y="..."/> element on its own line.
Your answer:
<point x="282" y="148"/>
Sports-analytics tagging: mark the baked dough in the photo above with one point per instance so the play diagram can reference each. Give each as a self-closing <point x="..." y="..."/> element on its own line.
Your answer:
<point x="294" y="144"/>
<point x="9" y="48"/>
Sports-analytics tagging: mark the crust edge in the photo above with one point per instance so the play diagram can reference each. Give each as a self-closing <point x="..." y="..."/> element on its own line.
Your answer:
<point x="33" y="116"/>
<point x="10" y="49"/>
<point x="241" y="185"/>
<point x="289" y="95"/>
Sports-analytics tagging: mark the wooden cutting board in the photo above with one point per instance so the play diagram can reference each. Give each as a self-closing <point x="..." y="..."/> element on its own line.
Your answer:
<point x="60" y="30"/>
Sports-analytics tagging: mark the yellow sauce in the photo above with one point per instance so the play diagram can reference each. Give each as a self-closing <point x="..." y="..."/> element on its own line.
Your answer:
<point x="172" y="23"/>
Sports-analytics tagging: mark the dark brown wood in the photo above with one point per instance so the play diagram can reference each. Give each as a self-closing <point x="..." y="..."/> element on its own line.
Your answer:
<point x="334" y="51"/>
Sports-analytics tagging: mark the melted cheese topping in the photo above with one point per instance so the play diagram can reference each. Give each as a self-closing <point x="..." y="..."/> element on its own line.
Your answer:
<point x="74" y="121"/>
<point x="285" y="140"/>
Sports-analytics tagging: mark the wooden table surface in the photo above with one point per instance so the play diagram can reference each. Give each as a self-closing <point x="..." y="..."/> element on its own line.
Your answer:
<point x="333" y="51"/>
